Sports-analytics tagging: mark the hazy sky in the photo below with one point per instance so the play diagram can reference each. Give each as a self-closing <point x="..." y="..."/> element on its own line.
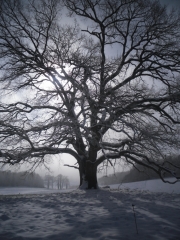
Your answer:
<point x="73" y="174"/>
<point x="57" y="162"/>
<point x="174" y="3"/>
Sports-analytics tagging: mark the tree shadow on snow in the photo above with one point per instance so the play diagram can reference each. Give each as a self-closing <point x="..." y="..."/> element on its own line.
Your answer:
<point x="94" y="214"/>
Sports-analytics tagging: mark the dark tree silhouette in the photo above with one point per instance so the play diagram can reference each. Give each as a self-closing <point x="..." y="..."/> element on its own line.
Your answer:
<point x="104" y="87"/>
<point x="49" y="181"/>
<point x="59" y="181"/>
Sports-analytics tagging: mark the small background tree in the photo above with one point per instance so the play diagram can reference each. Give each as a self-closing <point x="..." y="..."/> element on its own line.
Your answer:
<point x="59" y="180"/>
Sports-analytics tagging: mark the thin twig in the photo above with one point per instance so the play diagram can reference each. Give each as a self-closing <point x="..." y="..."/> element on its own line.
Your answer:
<point x="135" y="218"/>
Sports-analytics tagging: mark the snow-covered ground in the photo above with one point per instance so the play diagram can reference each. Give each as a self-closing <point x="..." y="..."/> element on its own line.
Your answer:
<point x="155" y="185"/>
<point x="23" y="190"/>
<point x="89" y="215"/>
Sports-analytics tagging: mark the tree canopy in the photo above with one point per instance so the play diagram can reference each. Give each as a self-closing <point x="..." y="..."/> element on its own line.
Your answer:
<point x="96" y="79"/>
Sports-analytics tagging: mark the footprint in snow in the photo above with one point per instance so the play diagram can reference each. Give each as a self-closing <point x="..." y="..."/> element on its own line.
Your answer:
<point x="4" y="217"/>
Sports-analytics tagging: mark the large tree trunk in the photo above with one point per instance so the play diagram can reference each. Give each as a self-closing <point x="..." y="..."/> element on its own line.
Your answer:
<point x="91" y="175"/>
<point x="88" y="169"/>
<point x="88" y="175"/>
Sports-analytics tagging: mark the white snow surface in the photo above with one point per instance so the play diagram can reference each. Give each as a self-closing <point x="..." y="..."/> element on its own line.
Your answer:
<point x="29" y="190"/>
<point x="155" y="185"/>
<point x="103" y="214"/>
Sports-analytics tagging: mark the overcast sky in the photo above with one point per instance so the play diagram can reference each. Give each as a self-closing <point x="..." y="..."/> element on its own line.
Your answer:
<point x="58" y="162"/>
<point x="174" y="3"/>
<point x="73" y="174"/>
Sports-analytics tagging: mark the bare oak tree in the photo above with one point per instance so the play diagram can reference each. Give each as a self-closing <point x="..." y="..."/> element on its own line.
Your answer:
<point x="96" y="79"/>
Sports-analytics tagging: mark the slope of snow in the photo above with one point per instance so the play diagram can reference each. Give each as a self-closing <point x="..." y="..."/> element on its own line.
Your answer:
<point x="87" y="215"/>
<point x="155" y="185"/>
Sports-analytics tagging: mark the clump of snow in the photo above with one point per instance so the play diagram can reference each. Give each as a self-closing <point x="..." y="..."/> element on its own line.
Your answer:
<point x="84" y="184"/>
<point x="101" y="214"/>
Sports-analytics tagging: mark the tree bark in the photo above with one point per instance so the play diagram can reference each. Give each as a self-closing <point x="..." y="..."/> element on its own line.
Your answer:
<point x="88" y="175"/>
<point x="91" y="175"/>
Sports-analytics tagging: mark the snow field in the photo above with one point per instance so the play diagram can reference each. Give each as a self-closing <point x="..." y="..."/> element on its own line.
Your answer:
<point x="28" y="190"/>
<point x="95" y="214"/>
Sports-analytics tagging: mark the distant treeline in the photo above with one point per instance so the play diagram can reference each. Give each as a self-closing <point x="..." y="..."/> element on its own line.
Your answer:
<point x="59" y="181"/>
<point x="133" y="175"/>
<point x="20" y="179"/>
